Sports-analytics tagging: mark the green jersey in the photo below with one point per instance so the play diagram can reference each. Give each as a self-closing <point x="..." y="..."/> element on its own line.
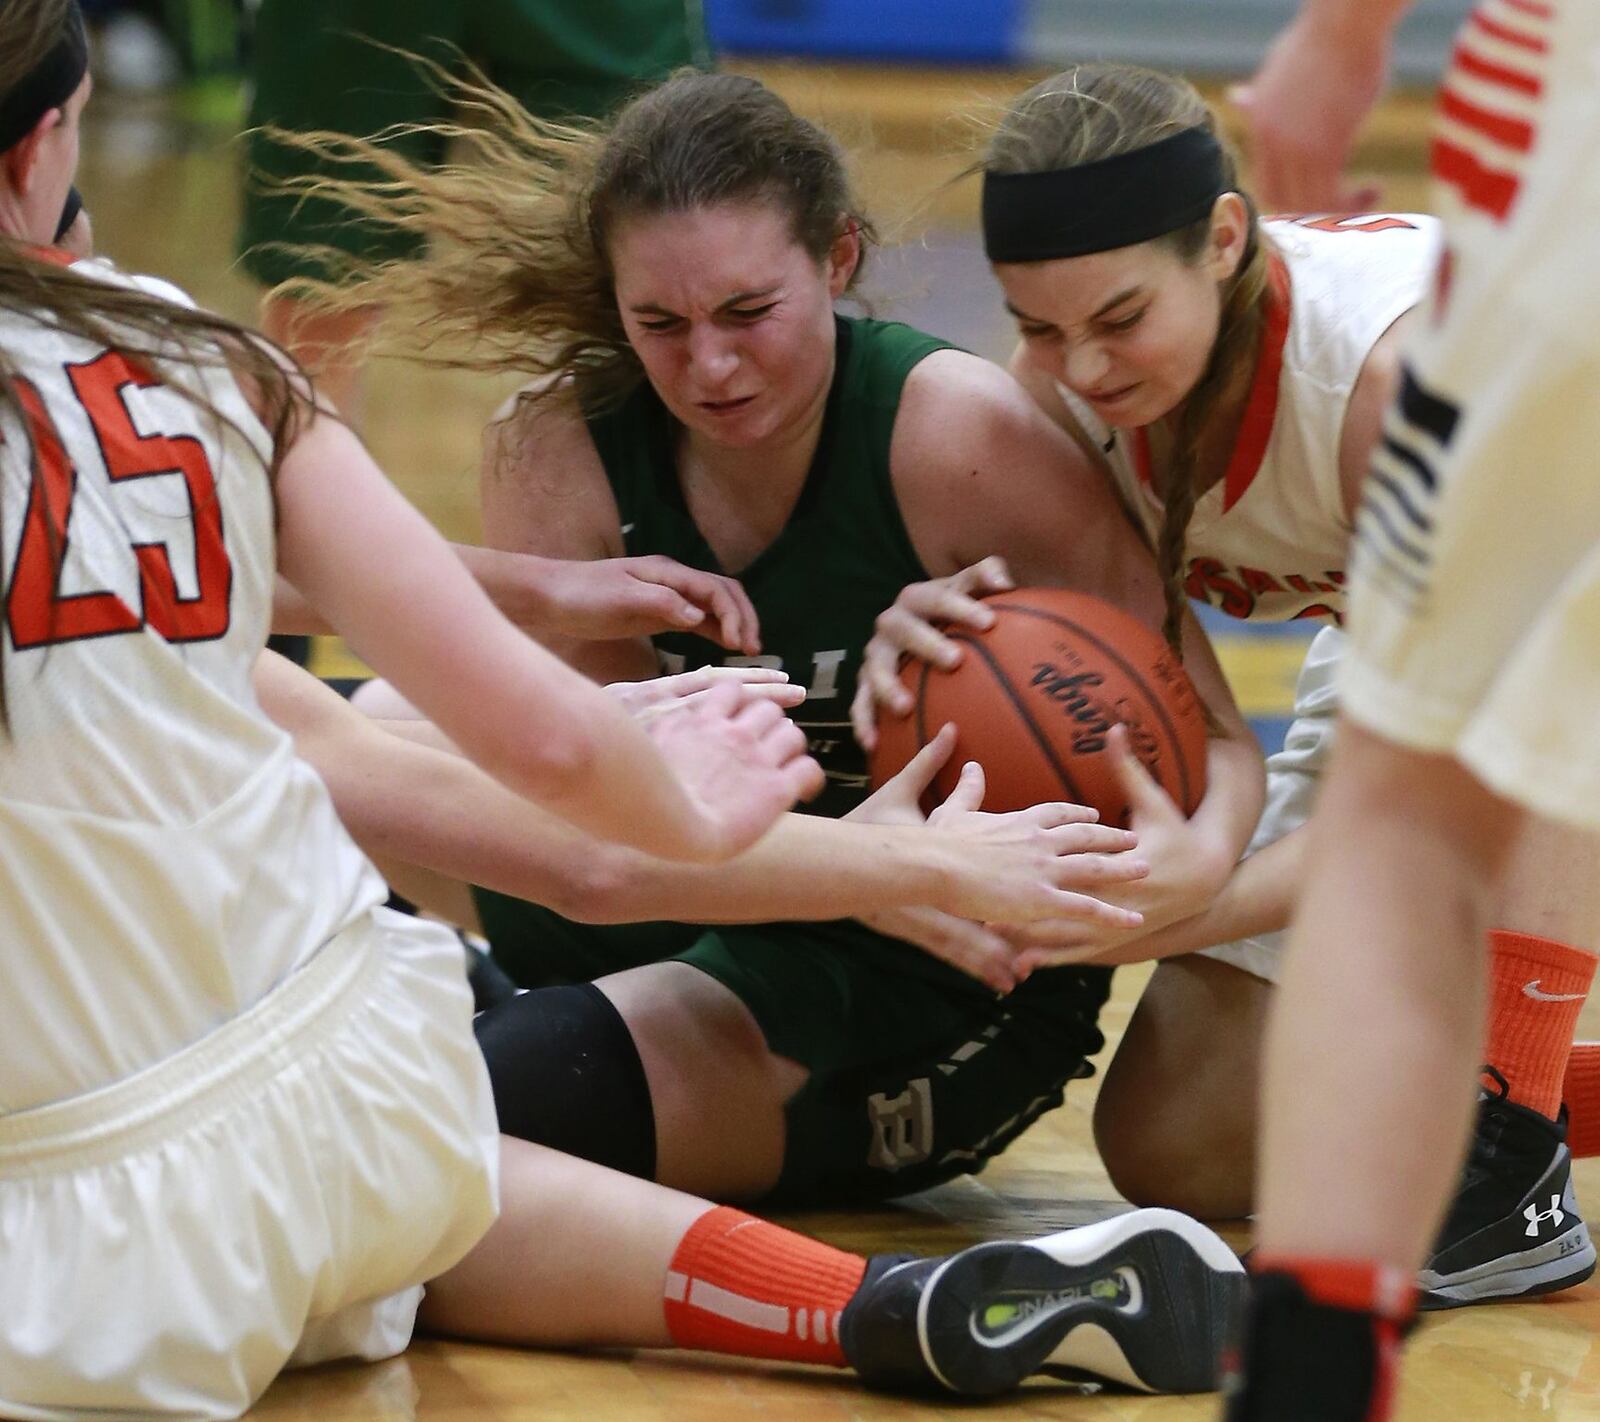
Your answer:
<point x="842" y="557"/>
<point x="915" y="1072"/>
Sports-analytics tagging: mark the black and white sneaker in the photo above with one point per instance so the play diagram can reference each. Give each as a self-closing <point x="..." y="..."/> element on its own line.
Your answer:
<point x="1146" y="1300"/>
<point x="1514" y="1230"/>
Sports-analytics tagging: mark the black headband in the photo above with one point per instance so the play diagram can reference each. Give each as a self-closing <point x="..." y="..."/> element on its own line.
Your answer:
<point x="1113" y="202"/>
<point x="48" y="85"/>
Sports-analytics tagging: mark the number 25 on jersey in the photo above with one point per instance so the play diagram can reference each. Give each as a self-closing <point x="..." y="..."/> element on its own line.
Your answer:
<point x="38" y="613"/>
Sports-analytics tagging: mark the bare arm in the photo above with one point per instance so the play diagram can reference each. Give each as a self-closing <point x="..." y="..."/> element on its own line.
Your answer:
<point x="406" y="799"/>
<point x="982" y="471"/>
<point x="1307" y="101"/>
<point x="1258" y="898"/>
<point x="543" y="490"/>
<point x="411" y="610"/>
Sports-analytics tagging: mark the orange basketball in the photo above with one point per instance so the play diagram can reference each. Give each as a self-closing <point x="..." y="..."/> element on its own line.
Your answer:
<point x="1034" y="700"/>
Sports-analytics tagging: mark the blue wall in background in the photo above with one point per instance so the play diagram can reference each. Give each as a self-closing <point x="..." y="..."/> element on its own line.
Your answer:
<point x="1195" y="36"/>
<point x="936" y="31"/>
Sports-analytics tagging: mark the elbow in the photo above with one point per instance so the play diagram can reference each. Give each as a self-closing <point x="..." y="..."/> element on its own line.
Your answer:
<point x="598" y="889"/>
<point x="554" y="769"/>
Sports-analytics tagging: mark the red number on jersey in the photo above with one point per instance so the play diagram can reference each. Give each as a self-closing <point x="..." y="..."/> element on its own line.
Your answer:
<point x="1357" y="223"/>
<point x="38" y="613"/>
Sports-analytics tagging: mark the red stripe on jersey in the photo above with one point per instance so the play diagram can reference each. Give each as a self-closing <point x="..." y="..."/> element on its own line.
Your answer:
<point x="1513" y="133"/>
<point x="1536" y="8"/>
<point x="1468" y="61"/>
<point x="1534" y="44"/>
<point x="1261" y="409"/>
<point x="1479" y="186"/>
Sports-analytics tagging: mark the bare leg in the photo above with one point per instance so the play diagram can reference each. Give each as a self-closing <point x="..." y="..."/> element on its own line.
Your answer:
<point x="325" y="345"/>
<point x="1377" y="1032"/>
<point x="1175" y="1120"/>
<point x="578" y="1257"/>
<point x="1551" y="884"/>
<point x="447" y="899"/>
<point x="718" y="1093"/>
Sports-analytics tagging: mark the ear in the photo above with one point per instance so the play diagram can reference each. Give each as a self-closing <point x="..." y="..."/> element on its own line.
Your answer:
<point x="21" y="160"/>
<point x="1230" y="235"/>
<point x="843" y="258"/>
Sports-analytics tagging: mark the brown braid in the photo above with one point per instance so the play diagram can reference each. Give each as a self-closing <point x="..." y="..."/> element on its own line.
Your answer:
<point x="1237" y="343"/>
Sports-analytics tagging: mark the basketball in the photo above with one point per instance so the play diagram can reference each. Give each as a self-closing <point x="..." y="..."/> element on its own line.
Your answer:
<point x="1034" y="700"/>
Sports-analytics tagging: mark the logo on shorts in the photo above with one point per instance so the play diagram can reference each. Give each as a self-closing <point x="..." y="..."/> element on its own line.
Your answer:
<point x="902" y="1126"/>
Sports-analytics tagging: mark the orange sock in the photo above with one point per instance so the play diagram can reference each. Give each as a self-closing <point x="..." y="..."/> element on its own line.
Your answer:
<point x="1537" y="987"/>
<point x="740" y="1285"/>
<point x="1581" y="1093"/>
<point x="1383" y="1290"/>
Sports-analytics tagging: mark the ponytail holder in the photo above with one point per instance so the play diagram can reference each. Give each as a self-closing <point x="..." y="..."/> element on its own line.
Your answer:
<point x="1112" y="202"/>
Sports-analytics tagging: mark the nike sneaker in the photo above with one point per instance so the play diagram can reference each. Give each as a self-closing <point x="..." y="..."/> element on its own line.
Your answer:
<point x="1514" y="1230"/>
<point x="1145" y="1301"/>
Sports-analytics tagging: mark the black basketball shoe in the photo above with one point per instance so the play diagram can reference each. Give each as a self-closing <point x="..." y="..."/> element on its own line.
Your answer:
<point x="1145" y="1300"/>
<point x="1514" y="1230"/>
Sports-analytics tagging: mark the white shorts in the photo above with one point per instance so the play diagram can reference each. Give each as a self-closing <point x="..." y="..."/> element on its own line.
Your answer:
<point x="1293" y="776"/>
<point x="273" y="1195"/>
<point x="1475" y="607"/>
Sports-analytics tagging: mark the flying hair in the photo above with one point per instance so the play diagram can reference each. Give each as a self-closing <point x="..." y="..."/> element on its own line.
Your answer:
<point x="517" y="272"/>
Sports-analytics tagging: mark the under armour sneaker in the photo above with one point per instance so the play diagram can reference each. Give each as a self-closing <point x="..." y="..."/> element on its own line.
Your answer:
<point x="1514" y="1230"/>
<point x="1145" y="1300"/>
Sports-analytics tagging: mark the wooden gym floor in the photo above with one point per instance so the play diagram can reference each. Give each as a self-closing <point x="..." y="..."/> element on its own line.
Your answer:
<point x="162" y="188"/>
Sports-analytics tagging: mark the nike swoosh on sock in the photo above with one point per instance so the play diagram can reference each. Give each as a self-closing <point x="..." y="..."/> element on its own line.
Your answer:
<point x="1531" y="989"/>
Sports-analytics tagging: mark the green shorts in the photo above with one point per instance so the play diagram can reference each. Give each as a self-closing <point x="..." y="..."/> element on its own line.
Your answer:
<point x="917" y="1073"/>
<point x="316" y="67"/>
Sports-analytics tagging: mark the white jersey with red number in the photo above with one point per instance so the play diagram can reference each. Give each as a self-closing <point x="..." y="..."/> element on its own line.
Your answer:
<point x="164" y="858"/>
<point x="1271" y="539"/>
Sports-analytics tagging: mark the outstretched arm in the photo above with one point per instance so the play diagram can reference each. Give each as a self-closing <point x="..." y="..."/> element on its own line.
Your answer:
<point x="565" y="598"/>
<point x="1307" y="101"/>
<point x="410" y="802"/>
<point x="712" y="782"/>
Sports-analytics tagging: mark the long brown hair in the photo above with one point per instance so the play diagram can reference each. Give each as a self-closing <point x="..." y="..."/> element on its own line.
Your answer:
<point x="517" y="276"/>
<point x="142" y="326"/>
<point x="1095" y="111"/>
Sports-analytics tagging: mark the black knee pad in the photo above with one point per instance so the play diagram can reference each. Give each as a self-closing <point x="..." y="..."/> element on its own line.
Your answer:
<point x="566" y="1074"/>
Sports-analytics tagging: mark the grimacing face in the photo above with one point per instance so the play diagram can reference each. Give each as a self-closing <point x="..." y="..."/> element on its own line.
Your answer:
<point x="1128" y="331"/>
<point x="731" y="317"/>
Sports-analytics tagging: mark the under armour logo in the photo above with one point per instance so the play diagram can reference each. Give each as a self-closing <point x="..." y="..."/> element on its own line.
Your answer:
<point x="1535" y="1217"/>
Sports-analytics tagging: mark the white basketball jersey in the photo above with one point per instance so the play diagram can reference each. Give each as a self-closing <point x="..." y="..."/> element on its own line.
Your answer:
<point x="1270" y="540"/>
<point x="164" y="858"/>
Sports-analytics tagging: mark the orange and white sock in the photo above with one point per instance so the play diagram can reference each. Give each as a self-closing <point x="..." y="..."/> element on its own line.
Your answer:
<point x="1537" y="988"/>
<point x="1580" y="1090"/>
<point x="741" y="1285"/>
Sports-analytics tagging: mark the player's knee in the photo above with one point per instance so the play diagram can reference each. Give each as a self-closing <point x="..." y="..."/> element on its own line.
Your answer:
<point x="1161" y="1149"/>
<point x="566" y="1073"/>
